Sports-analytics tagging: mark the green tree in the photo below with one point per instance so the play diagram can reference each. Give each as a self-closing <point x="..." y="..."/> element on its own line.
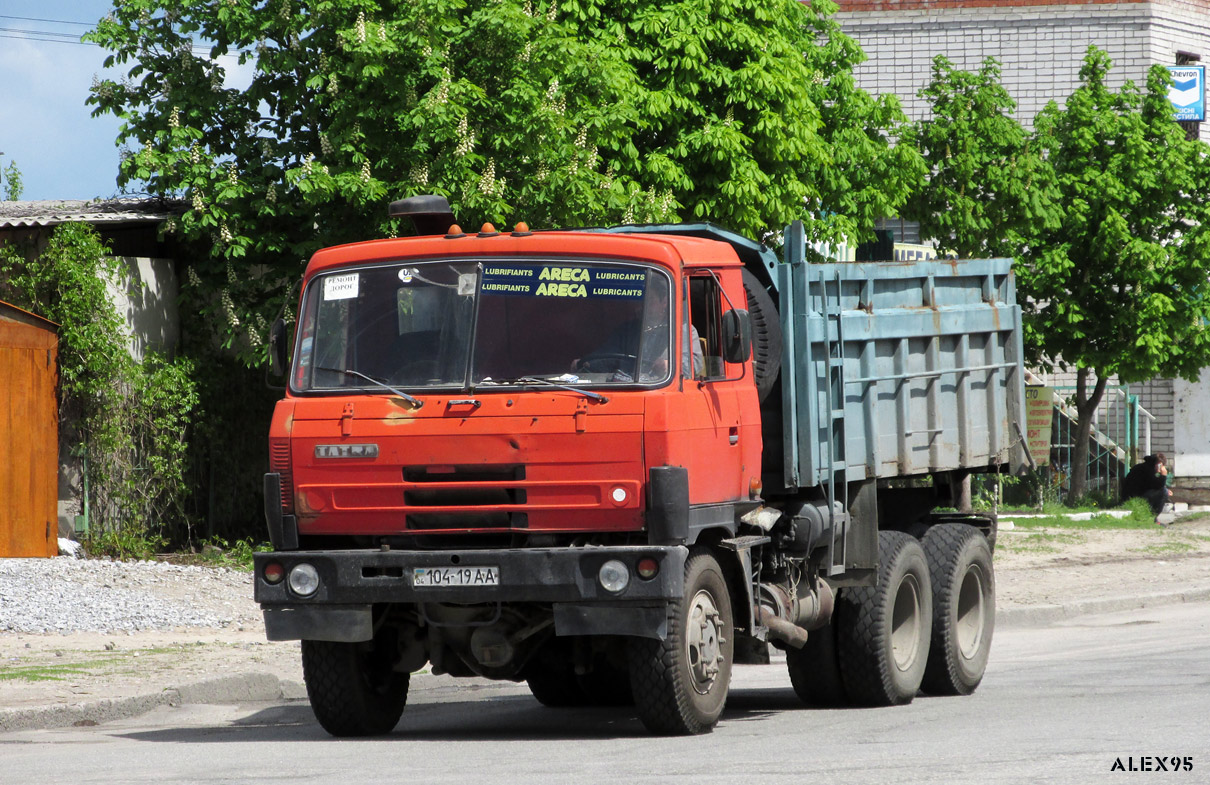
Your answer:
<point x="1106" y="208"/>
<point x="11" y="178"/>
<point x="989" y="186"/>
<point x="561" y="113"/>
<point x="1118" y="285"/>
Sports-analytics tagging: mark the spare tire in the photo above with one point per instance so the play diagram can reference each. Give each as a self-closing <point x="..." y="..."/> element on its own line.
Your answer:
<point x="766" y="335"/>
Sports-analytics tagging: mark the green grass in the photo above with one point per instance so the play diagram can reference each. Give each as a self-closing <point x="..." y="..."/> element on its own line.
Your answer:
<point x="64" y="672"/>
<point x="1171" y="547"/>
<point x="1040" y="541"/>
<point x="217" y="552"/>
<point x="1140" y="518"/>
<point x="93" y="662"/>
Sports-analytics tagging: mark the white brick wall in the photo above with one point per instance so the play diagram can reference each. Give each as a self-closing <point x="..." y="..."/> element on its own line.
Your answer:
<point x="1040" y="48"/>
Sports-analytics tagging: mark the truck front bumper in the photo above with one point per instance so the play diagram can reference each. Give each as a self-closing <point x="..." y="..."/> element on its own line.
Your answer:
<point x="351" y="582"/>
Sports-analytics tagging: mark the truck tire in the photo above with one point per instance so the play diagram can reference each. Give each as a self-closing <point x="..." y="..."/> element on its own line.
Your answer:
<point x="353" y="689"/>
<point x="964" y="608"/>
<point x="815" y="669"/>
<point x="883" y="630"/>
<point x="766" y="335"/>
<point x="556" y="687"/>
<point x="606" y="684"/>
<point x="680" y="683"/>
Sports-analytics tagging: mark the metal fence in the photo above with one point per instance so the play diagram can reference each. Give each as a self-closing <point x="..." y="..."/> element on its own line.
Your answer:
<point x="1120" y="436"/>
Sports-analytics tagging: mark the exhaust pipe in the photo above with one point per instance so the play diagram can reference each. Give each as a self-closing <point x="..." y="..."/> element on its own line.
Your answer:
<point x="780" y="629"/>
<point x="789" y="617"/>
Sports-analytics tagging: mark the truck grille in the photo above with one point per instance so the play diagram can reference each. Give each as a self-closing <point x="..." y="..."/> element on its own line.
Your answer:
<point x="464" y="486"/>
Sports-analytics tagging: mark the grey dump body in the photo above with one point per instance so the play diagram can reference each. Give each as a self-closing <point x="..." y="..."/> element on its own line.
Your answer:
<point x="897" y="369"/>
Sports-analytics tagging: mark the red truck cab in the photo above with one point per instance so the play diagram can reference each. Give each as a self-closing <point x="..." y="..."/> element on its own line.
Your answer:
<point x="539" y="392"/>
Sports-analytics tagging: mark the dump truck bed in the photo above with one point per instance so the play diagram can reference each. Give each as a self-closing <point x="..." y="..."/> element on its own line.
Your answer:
<point x="898" y="369"/>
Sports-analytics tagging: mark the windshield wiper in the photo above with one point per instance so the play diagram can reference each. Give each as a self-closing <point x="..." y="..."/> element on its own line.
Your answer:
<point x="586" y="393"/>
<point x="416" y="402"/>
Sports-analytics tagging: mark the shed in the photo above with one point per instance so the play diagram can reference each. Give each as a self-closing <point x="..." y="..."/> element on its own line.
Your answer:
<point x="29" y="434"/>
<point x="130" y="228"/>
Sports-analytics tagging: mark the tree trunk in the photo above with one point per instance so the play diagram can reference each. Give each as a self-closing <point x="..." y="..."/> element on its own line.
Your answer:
<point x="960" y="491"/>
<point x="1086" y="407"/>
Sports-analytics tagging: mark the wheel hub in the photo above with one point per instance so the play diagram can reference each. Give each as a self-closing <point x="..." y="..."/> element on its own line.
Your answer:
<point x="971" y="613"/>
<point x="704" y="641"/>
<point x="906" y="621"/>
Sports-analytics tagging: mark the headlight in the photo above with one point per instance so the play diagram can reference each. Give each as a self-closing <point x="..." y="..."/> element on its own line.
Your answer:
<point x="304" y="580"/>
<point x="614" y="576"/>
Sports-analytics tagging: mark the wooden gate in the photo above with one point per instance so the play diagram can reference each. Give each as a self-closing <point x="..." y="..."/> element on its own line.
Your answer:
<point x="29" y="434"/>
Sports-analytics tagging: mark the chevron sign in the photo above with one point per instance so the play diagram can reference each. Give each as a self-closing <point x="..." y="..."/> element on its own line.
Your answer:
<point x="1188" y="92"/>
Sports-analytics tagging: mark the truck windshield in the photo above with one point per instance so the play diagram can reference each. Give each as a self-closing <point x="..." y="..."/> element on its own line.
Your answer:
<point x="415" y="325"/>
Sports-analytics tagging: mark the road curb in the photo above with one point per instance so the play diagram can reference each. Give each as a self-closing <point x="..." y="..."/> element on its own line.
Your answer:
<point x="239" y="688"/>
<point x="1042" y="615"/>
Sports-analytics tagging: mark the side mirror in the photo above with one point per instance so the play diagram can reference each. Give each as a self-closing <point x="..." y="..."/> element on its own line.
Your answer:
<point x="737" y="336"/>
<point x="277" y="348"/>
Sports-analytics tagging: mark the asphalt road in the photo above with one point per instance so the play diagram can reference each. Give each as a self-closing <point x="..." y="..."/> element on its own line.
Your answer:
<point x="1061" y="704"/>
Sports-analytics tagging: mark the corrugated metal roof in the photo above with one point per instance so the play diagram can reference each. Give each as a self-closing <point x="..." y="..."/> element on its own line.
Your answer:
<point x="100" y="211"/>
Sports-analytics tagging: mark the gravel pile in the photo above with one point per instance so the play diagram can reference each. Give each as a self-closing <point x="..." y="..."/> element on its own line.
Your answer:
<point x="84" y="595"/>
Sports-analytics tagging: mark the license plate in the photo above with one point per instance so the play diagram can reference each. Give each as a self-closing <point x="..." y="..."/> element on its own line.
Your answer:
<point x="456" y="576"/>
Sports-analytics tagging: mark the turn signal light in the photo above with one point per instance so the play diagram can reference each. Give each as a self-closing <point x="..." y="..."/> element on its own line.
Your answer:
<point x="755" y="486"/>
<point x="647" y="568"/>
<point x="273" y="573"/>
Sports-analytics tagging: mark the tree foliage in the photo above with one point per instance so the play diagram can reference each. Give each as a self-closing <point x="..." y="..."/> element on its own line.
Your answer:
<point x="989" y="186"/>
<point x="1113" y="244"/>
<point x="570" y="112"/>
<point x="1118" y="284"/>
<point x="14" y="187"/>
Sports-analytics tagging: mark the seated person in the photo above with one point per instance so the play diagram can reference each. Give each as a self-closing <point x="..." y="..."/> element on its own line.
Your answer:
<point x="1148" y="480"/>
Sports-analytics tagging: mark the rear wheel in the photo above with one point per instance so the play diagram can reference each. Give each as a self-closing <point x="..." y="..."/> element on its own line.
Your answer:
<point x="964" y="608"/>
<point x="607" y="684"/>
<point x="353" y="687"/>
<point x="556" y="687"/>
<point x="883" y="630"/>
<point x="680" y="683"/>
<point x="551" y="676"/>
<point x="815" y="670"/>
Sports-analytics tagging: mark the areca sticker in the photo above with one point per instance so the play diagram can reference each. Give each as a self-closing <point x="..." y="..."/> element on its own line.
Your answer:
<point x="340" y="287"/>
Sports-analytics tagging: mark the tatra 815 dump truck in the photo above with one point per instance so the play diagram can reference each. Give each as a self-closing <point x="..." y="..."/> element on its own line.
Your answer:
<point x="613" y="462"/>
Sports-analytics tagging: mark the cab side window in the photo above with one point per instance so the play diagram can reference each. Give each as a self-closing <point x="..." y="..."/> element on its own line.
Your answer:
<point x="705" y="328"/>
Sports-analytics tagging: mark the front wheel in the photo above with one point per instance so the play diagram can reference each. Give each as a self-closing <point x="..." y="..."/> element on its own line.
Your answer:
<point x="353" y="687"/>
<point x="680" y="683"/>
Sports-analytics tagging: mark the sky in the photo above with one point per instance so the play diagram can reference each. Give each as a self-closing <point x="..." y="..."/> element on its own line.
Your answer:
<point x="45" y="126"/>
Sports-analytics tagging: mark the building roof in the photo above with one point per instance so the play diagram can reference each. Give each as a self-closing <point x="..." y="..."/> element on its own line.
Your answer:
<point x="97" y="211"/>
<point x="11" y="313"/>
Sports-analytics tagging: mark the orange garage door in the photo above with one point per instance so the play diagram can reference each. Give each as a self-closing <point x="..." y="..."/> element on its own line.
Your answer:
<point x="29" y="435"/>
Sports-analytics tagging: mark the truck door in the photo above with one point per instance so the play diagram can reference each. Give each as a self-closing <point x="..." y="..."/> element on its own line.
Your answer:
<point x="718" y="471"/>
